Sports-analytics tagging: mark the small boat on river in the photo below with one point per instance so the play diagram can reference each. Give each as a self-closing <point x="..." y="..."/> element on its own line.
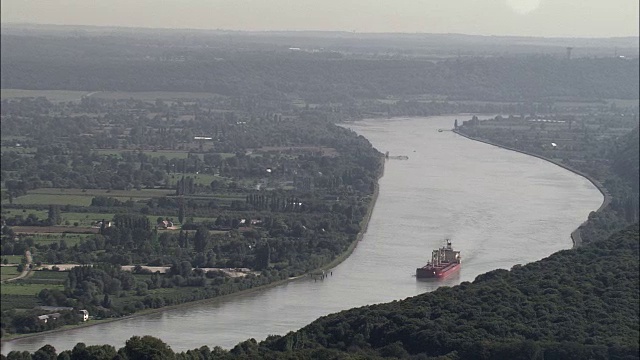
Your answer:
<point x="444" y="262"/>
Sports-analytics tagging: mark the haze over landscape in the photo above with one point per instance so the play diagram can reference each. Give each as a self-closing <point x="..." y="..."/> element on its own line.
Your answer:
<point x="557" y="18"/>
<point x="249" y="179"/>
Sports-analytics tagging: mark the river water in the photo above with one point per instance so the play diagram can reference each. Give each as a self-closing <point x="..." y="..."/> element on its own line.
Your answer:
<point x="499" y="207"/>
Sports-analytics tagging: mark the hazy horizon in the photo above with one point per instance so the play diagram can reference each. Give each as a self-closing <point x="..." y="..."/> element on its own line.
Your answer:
<point x="521" y="18"/>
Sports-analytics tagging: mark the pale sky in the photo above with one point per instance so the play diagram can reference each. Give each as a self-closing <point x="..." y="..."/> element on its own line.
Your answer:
<point x="549" y="18"/>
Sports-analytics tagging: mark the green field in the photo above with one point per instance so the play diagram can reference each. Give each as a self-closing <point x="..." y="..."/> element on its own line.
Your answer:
<point x="50" y="238"/>
<point x="20" y="288"/>
<point x="153" y="95"/>
<point x="85" y="219"/>
<point x="18" y="301"/>
<point x="8" y="272"/>
<point x="47" y="278"/>
<point x="51" y="95"/>
<point x="35" y="199"/>
<point x="81" y="197"/>
<point x="202" y="179"/>
<point x="20" y="150"/>
<point x="168" y="154"/>
<point x="13" y="259"/>
<point x="143" y="193"/>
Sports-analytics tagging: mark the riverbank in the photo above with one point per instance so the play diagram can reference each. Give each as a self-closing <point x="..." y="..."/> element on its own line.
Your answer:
<point x="575" y="234"/>
<point x="364" y="224"/>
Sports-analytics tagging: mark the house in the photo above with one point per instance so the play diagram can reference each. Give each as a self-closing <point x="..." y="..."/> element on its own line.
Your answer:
<point x="107" y="224"/>
<point x="45" y="318"/>
<point x="165" y="224"/>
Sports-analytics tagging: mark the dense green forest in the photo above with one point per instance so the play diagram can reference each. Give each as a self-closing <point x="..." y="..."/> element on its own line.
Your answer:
<point x="575" y="304"/>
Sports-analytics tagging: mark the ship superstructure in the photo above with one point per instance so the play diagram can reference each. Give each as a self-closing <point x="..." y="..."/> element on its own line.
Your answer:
<point x="444" y="261"/>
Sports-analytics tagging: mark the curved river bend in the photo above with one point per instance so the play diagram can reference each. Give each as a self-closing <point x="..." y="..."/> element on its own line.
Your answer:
<point x="500" y="207"/>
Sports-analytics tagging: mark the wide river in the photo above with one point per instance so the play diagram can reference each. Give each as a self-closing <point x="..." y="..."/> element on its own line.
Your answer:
<point x="499" y="207"/>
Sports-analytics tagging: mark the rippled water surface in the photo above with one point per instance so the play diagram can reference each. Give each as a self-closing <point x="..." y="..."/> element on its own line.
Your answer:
<point x="501" y="208"/>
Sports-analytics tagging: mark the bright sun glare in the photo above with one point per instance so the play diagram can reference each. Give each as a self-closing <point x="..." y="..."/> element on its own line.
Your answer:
<point x="523" y="6"/>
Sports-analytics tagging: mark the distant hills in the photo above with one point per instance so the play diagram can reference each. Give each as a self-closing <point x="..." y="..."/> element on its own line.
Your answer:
<point x="326" y="69"/>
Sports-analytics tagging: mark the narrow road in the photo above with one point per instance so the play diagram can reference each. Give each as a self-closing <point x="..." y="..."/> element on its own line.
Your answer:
<point x="26" y="270"/>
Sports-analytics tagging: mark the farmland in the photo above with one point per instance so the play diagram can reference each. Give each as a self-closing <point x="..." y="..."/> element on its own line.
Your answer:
<point x="22" y="294"/>
<point x="52" y="95"/>
<point x="8" y="272"/>
<point x="135" y="164"/>
<point x="81" y="197"/>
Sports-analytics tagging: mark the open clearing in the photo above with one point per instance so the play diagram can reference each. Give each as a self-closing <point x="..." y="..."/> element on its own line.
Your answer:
<point x="13" y="259"/>
<point x="153" y="95"/>
<point x="202" y="179"/>
<point x="82" y="197"/>
<point x="143" y="193"/>
<point x="54" y="230"/>
<point x="51" y="95"/>
<point x="169" y="154"/>
<point x="8" y="272"/>
<point x="19" y="288"/>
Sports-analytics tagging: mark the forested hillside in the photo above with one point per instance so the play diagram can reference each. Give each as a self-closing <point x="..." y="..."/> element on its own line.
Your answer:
<point x="577" y="304"/>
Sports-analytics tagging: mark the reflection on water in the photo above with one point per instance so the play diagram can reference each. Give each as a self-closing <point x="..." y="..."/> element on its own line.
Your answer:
<point x="500" y="208"/>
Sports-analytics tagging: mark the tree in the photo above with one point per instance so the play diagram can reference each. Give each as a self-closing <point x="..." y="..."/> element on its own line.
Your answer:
<point x="181" y="213"/>
<point x="201" y="239"/>
<point x="147" y="348"/>
<point x="46" y="352"/>
<point x="53" y="217"/>
<point x="100" y="352"/>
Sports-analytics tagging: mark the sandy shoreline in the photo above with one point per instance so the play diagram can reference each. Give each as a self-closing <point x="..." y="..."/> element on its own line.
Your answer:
<point x="575" y="234"/>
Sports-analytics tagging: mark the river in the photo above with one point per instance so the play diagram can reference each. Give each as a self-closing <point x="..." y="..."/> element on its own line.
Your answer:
<point x="499" y="207"/>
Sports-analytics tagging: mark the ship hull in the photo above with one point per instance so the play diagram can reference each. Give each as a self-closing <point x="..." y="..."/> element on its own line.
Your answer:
<point x="433" y="272"/>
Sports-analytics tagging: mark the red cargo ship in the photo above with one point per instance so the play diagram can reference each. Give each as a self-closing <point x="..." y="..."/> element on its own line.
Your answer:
<point x="444" y="262"/>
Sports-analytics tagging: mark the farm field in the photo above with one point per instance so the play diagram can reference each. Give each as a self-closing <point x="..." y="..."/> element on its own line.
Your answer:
<point x="21" y="288"/>
<point x="53" y="229"/>
<point x="12" y="259"/>
<point x="80" y="197"/>
<point x="22" y="293"/>
<point x="45" y="277"/>
<point x="202" y="179"/>
<point x="20" y="150"/>
<point x="41" y="214"/>
<point x="49" y="199"/>
<point x="8" y="272"/>
<point x="143" y="193"/>
<point x="154" y="95"/>
<point x="50" y="238"/>
<point x="51" y="95"/>
<point x="10" y="301"/>
<point x="169" y="154"/>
